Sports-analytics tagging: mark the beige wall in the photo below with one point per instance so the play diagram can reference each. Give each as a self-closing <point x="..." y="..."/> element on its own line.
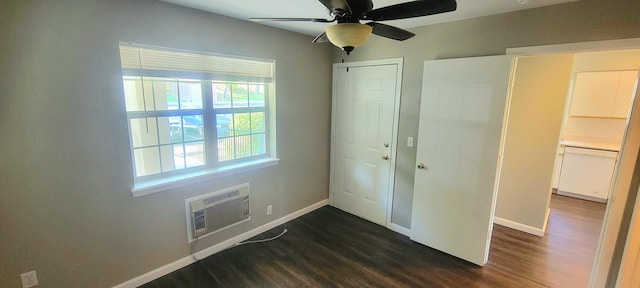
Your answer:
<point x="586" y="20"/>
<point x="65" y="208"/>
<point x="595" y="130"/>
<point x="538" y="100"/>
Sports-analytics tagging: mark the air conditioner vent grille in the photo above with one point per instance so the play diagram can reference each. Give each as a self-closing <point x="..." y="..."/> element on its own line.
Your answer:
<point x="217" y="210"/>
<point x="221" y="197"/>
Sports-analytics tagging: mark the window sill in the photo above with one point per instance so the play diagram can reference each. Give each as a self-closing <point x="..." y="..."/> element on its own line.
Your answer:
<point x="153" y="186"/>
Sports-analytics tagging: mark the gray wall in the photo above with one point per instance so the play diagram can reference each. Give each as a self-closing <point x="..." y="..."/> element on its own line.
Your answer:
<point x="586" y="20"/>
<point x="65" y="174"/>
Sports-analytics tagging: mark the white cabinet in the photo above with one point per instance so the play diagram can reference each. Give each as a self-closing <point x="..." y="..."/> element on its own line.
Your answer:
<point x="587" y="172"/>
<point x="625" y="93"/>
<point x="594" y="94"/>
<point x="602" y="94"/>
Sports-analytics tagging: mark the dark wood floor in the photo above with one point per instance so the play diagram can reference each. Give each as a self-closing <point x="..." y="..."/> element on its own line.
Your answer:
<point x="331" y="248"/>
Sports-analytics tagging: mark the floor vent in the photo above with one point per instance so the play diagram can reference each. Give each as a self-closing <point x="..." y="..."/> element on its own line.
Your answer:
<point x="217" y="210"/>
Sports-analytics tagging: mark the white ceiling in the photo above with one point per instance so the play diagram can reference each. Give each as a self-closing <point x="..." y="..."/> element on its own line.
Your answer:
<point x="245" y="9"/>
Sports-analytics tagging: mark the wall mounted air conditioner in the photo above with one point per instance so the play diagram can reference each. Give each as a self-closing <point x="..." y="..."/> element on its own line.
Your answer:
<point x="217" y="210"/>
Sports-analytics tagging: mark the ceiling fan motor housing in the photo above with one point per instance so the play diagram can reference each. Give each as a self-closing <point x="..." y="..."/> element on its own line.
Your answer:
<point x="349" y="33"/>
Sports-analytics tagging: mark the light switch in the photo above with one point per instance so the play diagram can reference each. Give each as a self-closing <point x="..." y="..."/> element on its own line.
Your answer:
<point x="409" y="141"/>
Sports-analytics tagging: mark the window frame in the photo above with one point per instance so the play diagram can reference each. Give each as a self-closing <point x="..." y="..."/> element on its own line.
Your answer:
<point x="212" y="167"/>
<point x="164" y="113"/>
<point x="244" y="110"/>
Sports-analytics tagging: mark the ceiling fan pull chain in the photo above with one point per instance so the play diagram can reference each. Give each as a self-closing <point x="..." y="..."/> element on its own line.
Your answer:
<point x="343" y="63"/>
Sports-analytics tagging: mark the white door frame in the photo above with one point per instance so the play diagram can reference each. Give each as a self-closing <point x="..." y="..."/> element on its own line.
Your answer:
<point x="396" y="118"/>
<point x="602" y="256"/>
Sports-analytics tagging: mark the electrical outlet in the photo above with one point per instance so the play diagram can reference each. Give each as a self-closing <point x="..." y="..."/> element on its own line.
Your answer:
<point x="269" y="209"/>
<point x="29" y="279"/>
<point x="409" y="141"/>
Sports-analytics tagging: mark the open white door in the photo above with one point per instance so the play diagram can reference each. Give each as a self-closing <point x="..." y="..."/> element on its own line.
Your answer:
<point x="461" y="126"/>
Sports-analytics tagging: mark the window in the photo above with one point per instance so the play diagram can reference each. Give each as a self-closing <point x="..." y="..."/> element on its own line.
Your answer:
<point x="192" y="112"/>
<point x="240" y="115"/>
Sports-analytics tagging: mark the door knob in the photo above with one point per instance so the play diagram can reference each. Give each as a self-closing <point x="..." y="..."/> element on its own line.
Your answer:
<point x="421" y="166"/>
<point x="385" y="157"/>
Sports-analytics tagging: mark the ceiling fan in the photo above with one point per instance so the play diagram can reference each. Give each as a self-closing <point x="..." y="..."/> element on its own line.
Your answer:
<point x="349" y="33"/>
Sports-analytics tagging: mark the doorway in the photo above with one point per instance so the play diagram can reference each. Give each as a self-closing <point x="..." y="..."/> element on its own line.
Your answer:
<point x="626" y="158"/>
<point x="567" y="228"/>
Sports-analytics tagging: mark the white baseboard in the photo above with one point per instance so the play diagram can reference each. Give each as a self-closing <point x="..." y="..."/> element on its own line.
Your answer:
<point x="180" y="263"/>
<point x="397" y="228"/>
<point x="580" y="196"/>
<point x="519" y="226"/>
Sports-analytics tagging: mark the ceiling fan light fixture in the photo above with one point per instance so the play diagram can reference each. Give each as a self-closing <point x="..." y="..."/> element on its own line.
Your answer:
<point x="348" y="36"/>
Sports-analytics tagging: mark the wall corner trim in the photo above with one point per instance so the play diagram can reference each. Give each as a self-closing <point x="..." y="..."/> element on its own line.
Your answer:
<point x="546" y="221"/>
<point x="521" y="227"/>
<point x="185" y="261"/>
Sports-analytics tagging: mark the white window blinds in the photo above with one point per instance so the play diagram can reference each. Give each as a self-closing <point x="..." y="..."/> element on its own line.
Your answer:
<point x="156" y="61"/>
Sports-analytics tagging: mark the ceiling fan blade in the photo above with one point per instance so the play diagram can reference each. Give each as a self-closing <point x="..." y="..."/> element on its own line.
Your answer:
<point x="321" y="38"/>
<point x="394" y="33"/>
<point x="333" y="5"/>
<point x="359" y="8"/>
<point x="411" y="9"/>
<point x="317" y="20"/>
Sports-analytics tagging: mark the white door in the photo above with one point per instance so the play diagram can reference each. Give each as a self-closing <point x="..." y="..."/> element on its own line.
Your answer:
<point x="363" y="138"/>
<point x="460" y="130"/>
